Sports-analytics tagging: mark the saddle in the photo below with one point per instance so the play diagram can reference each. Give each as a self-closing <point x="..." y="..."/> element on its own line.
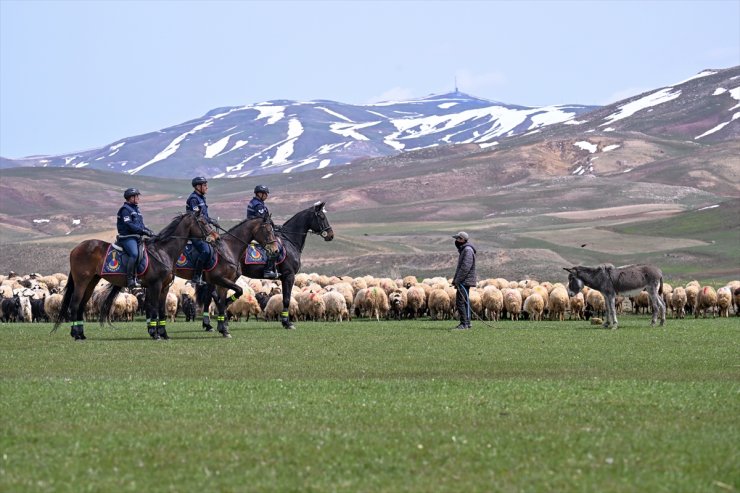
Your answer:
<point x="257" y="255"/>
<point x="116" y="261"/>
<point x="186" y="260"/>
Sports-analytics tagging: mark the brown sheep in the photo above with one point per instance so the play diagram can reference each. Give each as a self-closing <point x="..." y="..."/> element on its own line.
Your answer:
<point x="577" y="306"/>
<point x="439" y="304"/>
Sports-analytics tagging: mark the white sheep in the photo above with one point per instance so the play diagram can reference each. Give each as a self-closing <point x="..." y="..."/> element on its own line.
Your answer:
<point x="336" y="306"/>
<point x="558" y="303"/>
<point x="375" y="303"/>
<point x="534" y="305"/>
<point x="724" y="301"/>
<point x="493" y="301"/>
<point x="512" y="302"/>
<point x="706" y="300"/>
<point x="678" y="302"/>
<point x="439" y="304"/>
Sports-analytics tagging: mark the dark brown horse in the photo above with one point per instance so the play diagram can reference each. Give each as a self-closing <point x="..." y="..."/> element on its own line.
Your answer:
<point x="86" y="265"/>
<point x="293" y="233"/>
<point x="224" y="274"/>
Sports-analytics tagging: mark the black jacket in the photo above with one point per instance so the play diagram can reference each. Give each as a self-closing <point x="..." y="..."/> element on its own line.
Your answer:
<point x="465" y="272"/>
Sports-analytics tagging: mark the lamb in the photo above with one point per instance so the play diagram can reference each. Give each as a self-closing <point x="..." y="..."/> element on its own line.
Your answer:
<point x="189" y="307"/>
<point x="595" y="300"/>
<point x="678" y="302"/>
<point x="641" y="301"/>
<point x="512" y="302"/>
<point x="336" y="306"/>
<point x="398" y="299"/>
<point x="416" y="301"/>
<point x="724" y="301"/>
<point x="706" y="300"/>
<point x="558" y="303"/>
<point x="577" y="306"/>
<point x="170" y="306"/>
<point x="534" y="305"/>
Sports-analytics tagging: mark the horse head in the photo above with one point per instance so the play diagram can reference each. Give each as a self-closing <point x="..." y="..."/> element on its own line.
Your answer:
<point x="203" y="230"/>
<point x="264" y="233"/>
<point x="320" y="224"/>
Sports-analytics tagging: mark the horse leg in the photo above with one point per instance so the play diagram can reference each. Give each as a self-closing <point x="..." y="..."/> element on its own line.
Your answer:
<point x="221" y="304"/>
<point x="152" y="304"/>
<point x="82" y="293"/>
<point x="287" y="282"/>
<point x="162" y="313"/>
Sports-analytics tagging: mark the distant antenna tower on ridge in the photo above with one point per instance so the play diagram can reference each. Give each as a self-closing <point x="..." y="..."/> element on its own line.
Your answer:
<point x="456" y="91"/>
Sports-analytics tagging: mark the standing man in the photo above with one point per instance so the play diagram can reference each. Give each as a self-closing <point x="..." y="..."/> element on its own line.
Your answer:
<point x="196" y="202"/>
<point x="131" y="228"/>
<point x="257" y="208"/>
<point x="465" y="277"/>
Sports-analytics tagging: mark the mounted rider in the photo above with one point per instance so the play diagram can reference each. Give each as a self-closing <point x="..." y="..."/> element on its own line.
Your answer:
<point x="257" y="208"/>
<point x="131" y="228"/>
<point x="196" y="202"/>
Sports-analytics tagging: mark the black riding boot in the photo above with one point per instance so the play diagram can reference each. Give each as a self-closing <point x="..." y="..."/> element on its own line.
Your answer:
<point x="198" y="273"/>
<point x="270" y="272"/>
<point x="131" y="281"/>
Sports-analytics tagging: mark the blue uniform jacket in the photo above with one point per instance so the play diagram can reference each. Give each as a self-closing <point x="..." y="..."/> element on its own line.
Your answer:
<point x="197" y="203"/>
<point x="130" y="220"/>
<point x="257" y="208"/>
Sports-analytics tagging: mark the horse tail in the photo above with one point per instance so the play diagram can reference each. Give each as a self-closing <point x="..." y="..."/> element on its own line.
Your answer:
<point x="63" y="314"/>
<point x="203" y="295"/>
<point x="105" y="308"/>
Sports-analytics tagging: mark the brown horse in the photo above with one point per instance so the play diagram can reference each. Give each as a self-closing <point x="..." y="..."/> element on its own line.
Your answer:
<point x="86" y="264"/>
<point x="223" y="275"/>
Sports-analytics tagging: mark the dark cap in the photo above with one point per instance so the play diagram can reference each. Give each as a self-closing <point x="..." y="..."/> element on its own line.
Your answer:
<point x="462" y="235"/>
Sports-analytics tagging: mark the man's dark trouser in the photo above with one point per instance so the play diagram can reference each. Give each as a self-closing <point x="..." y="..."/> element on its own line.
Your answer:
<point x="462" y="304"/>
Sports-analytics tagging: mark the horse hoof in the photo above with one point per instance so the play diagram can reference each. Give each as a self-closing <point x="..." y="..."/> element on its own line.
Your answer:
<point x="226" y="335"/>
<point x="289" y="327"/>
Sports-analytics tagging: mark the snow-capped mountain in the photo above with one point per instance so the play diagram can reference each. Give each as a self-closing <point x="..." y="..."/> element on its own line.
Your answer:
<point x="290" y="136"/>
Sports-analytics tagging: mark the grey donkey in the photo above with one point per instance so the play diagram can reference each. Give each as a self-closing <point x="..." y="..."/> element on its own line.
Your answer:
<point x="626" y="280"/>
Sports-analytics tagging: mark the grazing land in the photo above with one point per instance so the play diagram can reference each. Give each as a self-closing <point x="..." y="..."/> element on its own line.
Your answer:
<point x="368" y="406"/>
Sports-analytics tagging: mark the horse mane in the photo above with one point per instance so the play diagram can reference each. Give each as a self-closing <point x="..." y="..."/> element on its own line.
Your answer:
<point x="170" y="228"/>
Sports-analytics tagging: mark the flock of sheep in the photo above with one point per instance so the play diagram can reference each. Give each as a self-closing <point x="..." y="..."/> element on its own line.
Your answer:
<point x="318" y="297"/>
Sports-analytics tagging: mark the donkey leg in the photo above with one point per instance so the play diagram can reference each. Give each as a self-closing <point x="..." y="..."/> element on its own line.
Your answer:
<point x="654" y="305"/>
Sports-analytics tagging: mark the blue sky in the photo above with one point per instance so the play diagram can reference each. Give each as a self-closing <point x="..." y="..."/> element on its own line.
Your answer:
<point x="76" y="75"/>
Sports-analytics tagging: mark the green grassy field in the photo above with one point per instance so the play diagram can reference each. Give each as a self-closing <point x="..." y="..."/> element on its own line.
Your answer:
<point x="367" y="406"/>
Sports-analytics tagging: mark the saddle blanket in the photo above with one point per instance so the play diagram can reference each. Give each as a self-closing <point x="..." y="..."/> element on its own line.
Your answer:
<point x="116" y="262"/>
<point x="256" y="253"/>
<point x="187" y="258"/>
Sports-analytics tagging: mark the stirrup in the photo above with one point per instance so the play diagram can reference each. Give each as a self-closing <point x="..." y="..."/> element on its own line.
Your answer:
<point x="271" y="274"/>
<point x="133" y="283"/>
<point x="198" y="280"/>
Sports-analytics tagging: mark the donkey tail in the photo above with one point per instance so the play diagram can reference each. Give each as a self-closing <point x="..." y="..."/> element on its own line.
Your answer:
<point x="63" y="315"/>
<point x="660" y="288"/>
<point x="105" y="308"/>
